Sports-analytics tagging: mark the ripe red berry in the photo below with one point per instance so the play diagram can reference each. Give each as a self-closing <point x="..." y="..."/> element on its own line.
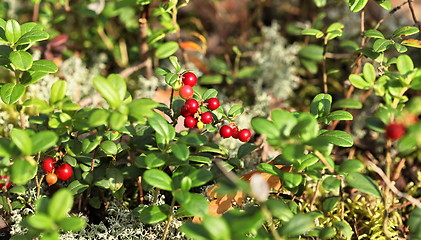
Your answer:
<point x="213" y="103"/>
<point x="235" y="132"/>
<point x="244" y="135"/>
<point x="5" y="179"/>
<point x="206" y="117"/>
<point x="395" y="131"/>
<point x="48" y="164"/>
<point x="51" y="178"/>
<point x="190" y="122"/>
<point x="184" y="111"/>
<point x="186" y="92"/>
<point x="189" y="78"/>
<point x="225" y="131"/>
<point x="192" y="105"/>
<point x="64" y="171"/>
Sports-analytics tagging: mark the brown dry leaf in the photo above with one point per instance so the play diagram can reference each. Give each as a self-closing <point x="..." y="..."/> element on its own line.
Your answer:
<point x="189" y="45"/>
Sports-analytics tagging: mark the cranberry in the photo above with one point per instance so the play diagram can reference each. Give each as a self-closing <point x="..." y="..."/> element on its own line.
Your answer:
<point x="244" y="135"/>
<point x="51" y="178"/>
<point x="186" y="92"/>
<point x="48" y="164"/>
<point x="184" y="111"/>
<point x="5" y="179"/>
<point x="206" y="117"/>
<point x="64" y="171"/>
<point x="225" y="131"/>
<point x="235" y="132"/>
<point x="190" y="122"/>
<point x="213" y="103"/>
<point x="192" y="105"/>
<point x="395" y="131"/>
<point x="189" y="78"/>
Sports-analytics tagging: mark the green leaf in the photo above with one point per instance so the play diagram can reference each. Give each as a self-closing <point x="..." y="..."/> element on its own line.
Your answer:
<point x="351" y="165"/>
<point x="77" y="187"/>
<point x="414" y="223"/>
<point x="292" y="180"/>
<point x="330" y="203"/>
<point x="174" y="62"/>
<point x="269" y="168"/>
<point x="264" y="126"/>
<point x="98" y="117"/>
<point x="109" y="147"/>
<point x="150" y="160"/>
<point x="373" y="34"/>
<point x="312" y="52"/>
<point x="320" y="105"/>
<point x="400" y="48"/>
<point x="381" y="45"/>
<point x="161" y="126"/>
<point x="344" y="228"/>
<point x="404" y="31"/>
<point x="195" y="231"/>
<point x="404" y="64"/>
<point x="11" y="92"/>
<point x="40" y="221"/>
<point x="139" y="109"/>
<point x="22" y="140"/>
<point x="167" y="49"/>
<point x="244" y="221"/>
<point x="338" y="137"/>
<point x="32" y="36"/>
<point x="115" y="177"/>
<point x="339" y="115"/>
<point x="72" y="224"/>
<point x="58" y="91"/>
<point x="245" y="149"/>
<point x="210" y="93"/>
<point x="279" y="209"/>
<point x="60" y="204"/>
<point x="200" y="177"/>
<point x="369" y="73"/>
<point x="331" y="183"/>
<point x="299" y="224"/>
<point x="306" y="127"/>
<point x="217" y="227"/>
<point x="235" y="110"/>
<point x="197" y="205"/>
<point x="12" y="30"/>
<point x="158" y="178"/>
<point x="327" y="233"/>
<point x="359" y="82"/>
<point x="357" y="5"/>
<point x="119" y="84"/>
<point x="43" y="140"/>
<point x="23" y="170"/>
<point x="154" y="214"/>
<point x="312" y="32"/>
<point x="194" y="140"/>
<point x="363" y="183"/>
<point x="43" y="65"/>
<point x="107" y="91"/>
<point x="180" y="151"/>
<point x="320" y="3"/>
<point x="21" y="60"/>
<point x="348" y="103"/>
<point x="32" y="77"/>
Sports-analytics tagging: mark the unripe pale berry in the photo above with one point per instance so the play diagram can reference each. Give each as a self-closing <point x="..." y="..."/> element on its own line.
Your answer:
<point x="200" y="125"/>
<point x="186" y="92"/>
<point x="51" y="178"/>
<point x="189" y="78"/>
<point x="213" y="103"/>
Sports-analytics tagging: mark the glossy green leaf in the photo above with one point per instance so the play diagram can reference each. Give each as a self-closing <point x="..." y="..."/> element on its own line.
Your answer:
<point x="330" y="203"/>
<point x="381" y="45"/>
<point x="32" y="36"/>
<point x="327" y="233"/>
<point x="351" y="165"/>
<point x="77" y="187"/>
<point x="43" y="140"/>
<point x="109" y="147"/>
<point x="167" y="49"/>
<point x="40" y="221"/>
<point x="363" y="183"/>
<point x="373" y="34"/>
<point x="331" y="183"/>
<point x="339" y="115"/>
<point x="245" y="149"/>
<point x="150" y="160"/>
<point x="11" y="92"/>
<point x="12" y="31"/>
<point x="115" y="177"/>
<point x="292" y="180"/>
<point x="22" y="140"/>
<point x="414" y="223"/>
<point x="400" y="48"/>
<point x="154" y="214"/>
<point x="264" y="126"/>
<point x="21" y="60"/>
<point x="200" y="177"/>
<point x="369" y="73"/>
<point x="140" y="109"/>
<point x="23" y="170"/>
<point x="312" y="52"/>
<point x="32" y="77"/>
<point x="405" y="31"/>
<point x="210" y="93"/>
<point x="194" y="140"/>
<point x="98" y="117"/>
<point x="235" y="110"/>
<point x="279" y="209"/>
<point x="357" y="5"/>
<point x="359" y="82"/>
<point x="311" y="32"/>
<point x="299" y="224"/>
<point x="344" y="228"/>
<point x="404" y="64"/>
<point x="338" y="137"/>
<point x="195" y="231"/>
<point x="244" y="221"/>
<point x="107" y="91"/>
<point x="284" y="121"/>
<point x="158" y="178"/>
<point x="320" y="105"/>
<point x="348" y="103"/>
<point x="60" y="204"/>
<point x="306" y="127"/>
<point x="72" y="224"/>
<point x="217" y="227"/>
<point x="58" y="91"/>
<point x="180" y="151"/>
<point x="197" y="205"/>
<point x="44" y="66"/>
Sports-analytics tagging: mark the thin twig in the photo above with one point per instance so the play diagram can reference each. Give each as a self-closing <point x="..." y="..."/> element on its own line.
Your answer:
<point x="313" y="200"/>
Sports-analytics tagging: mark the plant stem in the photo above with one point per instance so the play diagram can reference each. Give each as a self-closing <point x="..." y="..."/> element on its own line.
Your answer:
<point x="325" y="90"/>
<point x="170" y="218"/>
<point x="269" y="219"/>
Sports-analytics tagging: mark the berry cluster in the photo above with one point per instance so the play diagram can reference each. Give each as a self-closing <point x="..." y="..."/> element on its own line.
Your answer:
<point x="232" y="130"/>
<point x="193" y="115"/>
<point x="5" y="179"/>
<point x="62" y="172"/>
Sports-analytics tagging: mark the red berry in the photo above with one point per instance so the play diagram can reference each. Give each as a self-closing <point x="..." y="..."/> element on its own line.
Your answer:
<point x="192" y="105"/>
<point x="213" y="103"/>
<point x="225" y="131"/>
<point x="5" y="179"/>
<point x="48" y="164"/>
<point x="235" y="132"/>
<point x="206" y="117"/>
<point x="395" y="131"/>
<point x="190" y="122"/>
<point x="186" y="92"/>
<point x="189" y="78"/>
<point x="51" y="178"/>
<point x="64" y="172"/>
<point x="244" y="135"/>
<point x="184" y="111"/>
